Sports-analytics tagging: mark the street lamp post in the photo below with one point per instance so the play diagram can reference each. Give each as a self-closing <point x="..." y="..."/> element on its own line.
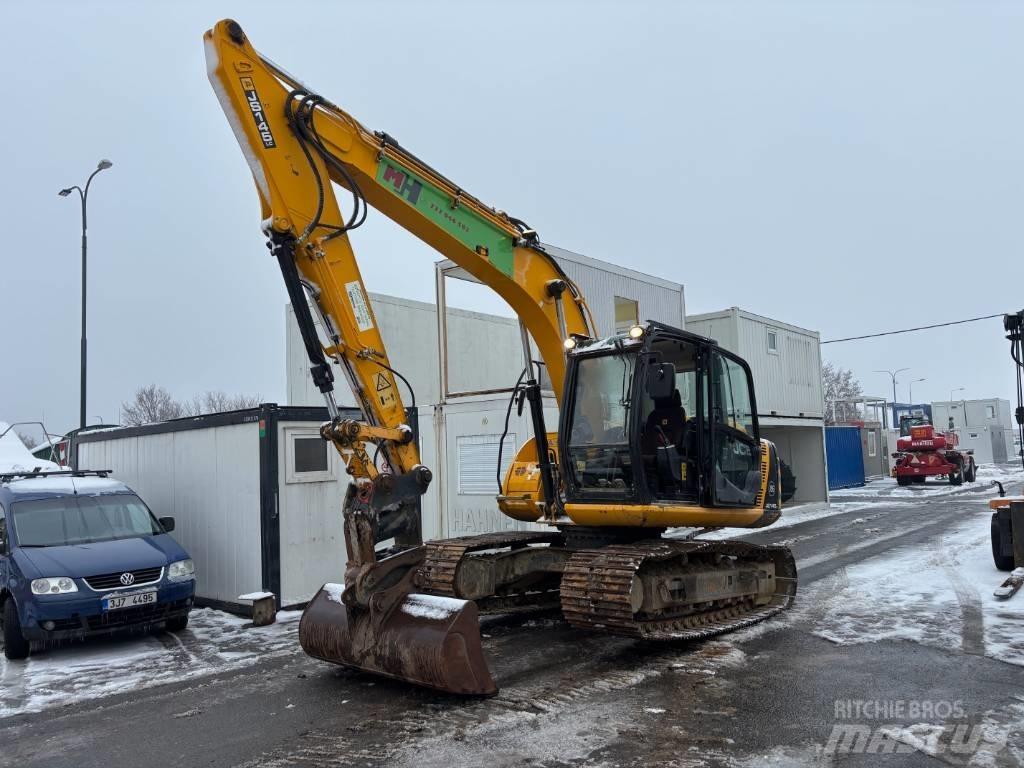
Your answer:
<point x="910" y="390"/>
<point x="84" y="195"/>
<point x="892" y="374"/>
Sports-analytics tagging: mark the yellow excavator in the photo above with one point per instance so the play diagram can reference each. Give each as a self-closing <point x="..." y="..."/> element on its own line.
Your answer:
<point x="657" y="427"/>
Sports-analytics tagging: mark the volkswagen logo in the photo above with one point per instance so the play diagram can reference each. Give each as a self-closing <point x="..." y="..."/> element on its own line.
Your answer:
<point x="127" y="579"/>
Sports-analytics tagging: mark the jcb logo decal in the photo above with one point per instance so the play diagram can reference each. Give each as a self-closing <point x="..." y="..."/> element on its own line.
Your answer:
<point x="402" y="184"/>
<point x="256" y="107"/>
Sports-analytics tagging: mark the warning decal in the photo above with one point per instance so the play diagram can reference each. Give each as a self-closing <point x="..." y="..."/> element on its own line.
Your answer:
<point x="383" y="382"/>
<point x="360" y="309"/>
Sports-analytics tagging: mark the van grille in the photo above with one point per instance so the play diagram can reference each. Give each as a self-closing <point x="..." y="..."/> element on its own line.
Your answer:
<point x="108" y="581"/>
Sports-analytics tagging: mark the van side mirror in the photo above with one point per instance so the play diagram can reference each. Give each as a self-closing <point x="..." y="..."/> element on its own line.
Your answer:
<point x="167" y="523"/>
<point x="661" y="381"/>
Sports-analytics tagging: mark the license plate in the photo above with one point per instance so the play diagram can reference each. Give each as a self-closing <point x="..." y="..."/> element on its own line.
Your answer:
<point x="114" y="602"/>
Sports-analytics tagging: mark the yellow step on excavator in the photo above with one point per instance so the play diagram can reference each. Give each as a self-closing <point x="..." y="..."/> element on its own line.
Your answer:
<point x="657" y="427"/>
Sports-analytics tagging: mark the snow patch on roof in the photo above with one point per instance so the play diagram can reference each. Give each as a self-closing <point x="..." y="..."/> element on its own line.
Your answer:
<point x="15" y="457"/>
<point x="89" y="486"/>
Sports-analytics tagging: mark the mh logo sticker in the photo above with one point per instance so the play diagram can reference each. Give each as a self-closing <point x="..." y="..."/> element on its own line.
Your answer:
<point x="256" y="107"/>
<point x="402" y="184"/>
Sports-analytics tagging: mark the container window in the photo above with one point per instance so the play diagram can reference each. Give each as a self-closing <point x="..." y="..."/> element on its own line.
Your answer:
<point x="310" y="454"/>
<point x="627" y="313"/>
<point x="309" y="457"/>
<point x="478" y="462"/>
<point x="773" y="341"/>
<point x="990" y="411"/>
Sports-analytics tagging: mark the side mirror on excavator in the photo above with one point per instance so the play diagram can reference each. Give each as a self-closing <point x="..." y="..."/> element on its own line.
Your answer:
<point x="661" y="381"/>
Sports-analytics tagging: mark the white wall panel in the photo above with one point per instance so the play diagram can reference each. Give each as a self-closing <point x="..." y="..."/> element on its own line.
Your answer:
<point x="786" y="381"/>
<point x="208" y="480"/>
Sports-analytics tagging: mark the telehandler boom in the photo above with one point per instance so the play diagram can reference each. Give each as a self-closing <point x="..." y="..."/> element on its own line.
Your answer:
<point x="657" y="426"/>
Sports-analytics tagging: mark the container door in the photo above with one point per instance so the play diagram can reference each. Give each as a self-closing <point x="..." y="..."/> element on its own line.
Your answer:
<point x="845" y="457"/>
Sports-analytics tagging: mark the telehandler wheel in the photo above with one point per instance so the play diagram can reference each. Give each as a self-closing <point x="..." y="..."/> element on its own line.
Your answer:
<point x="903" y="480"/>
<point x="956" y="477"/>
<point x="1003" y="562"/>
<point x="972" y="472"/>
<point x="919" y="479"/>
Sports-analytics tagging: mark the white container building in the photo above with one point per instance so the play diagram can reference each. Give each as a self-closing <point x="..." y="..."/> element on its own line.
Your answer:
<point x="786" y="364"/>
<point x="256" y="496"/>
<point x="986" y="425"/>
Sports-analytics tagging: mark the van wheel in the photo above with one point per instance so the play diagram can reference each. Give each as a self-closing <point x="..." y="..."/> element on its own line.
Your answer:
<point x="15" y="644"/>
<point x="177" y="624"/>
<point x="1003" y="562"/>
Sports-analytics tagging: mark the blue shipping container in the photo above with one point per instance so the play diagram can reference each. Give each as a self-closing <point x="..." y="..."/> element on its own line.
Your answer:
<point x="845" y="459"/>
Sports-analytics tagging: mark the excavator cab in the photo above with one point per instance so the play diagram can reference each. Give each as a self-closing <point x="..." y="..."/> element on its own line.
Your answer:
<point x="659" y="415"/>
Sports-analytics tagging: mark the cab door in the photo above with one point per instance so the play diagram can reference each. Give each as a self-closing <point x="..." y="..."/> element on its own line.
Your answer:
<point x="735" y="442"/>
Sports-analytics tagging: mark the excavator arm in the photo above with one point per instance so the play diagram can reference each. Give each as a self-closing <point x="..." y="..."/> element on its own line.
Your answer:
<point x="298" y="144"/>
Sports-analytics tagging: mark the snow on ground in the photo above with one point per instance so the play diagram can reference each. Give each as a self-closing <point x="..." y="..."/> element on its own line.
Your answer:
<point x="214" y="642"/>
<point x="887" y="488"/>
<point x="795" y="515"/>
<point x="938" y="595"/>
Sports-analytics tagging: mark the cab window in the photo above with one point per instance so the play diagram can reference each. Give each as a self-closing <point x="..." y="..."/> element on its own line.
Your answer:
<point x="599" y="451"/>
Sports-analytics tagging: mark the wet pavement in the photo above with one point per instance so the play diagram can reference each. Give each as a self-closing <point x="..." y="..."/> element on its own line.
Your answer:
<point x="780" y="693"/>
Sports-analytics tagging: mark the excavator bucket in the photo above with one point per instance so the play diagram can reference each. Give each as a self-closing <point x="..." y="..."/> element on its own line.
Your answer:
<point x="425" y="639"/>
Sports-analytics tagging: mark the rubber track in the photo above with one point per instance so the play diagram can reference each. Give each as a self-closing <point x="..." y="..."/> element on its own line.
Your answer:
<point x="437" y="574"/>
<point x="596" y="587"/>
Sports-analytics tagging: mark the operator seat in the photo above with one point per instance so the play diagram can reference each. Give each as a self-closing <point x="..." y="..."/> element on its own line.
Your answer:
<point x="669" y="419"/>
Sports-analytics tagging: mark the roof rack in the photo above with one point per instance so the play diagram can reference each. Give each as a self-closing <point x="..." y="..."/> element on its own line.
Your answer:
<point x="6" y="477"/>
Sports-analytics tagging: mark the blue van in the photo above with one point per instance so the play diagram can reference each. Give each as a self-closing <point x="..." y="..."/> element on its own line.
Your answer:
<point x="82" y="555"/>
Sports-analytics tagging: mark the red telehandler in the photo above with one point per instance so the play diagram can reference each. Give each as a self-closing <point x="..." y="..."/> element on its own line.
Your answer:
<point x="921" y="452"/>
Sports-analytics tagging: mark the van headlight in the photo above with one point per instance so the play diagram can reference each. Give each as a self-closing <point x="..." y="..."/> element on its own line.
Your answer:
<point x="53" y="585"/>
<point x="182" y="570"/>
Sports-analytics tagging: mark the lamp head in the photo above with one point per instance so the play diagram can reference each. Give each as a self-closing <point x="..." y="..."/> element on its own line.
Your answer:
<point x="65" y="192"/>
<point x="103" y="165"/>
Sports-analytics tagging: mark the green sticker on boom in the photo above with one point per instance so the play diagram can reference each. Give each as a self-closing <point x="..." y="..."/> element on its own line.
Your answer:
<point x="472" y="231"/>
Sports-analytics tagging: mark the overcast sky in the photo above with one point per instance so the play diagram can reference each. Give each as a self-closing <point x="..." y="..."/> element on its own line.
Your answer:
<point x="846" y="167"/>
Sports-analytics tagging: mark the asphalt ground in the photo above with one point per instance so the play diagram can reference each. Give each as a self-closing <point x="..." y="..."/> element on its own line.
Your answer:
<point x="767" y="695"/>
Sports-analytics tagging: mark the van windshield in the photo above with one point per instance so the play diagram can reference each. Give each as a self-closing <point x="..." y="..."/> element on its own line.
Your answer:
<point x="82" y="520"/>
